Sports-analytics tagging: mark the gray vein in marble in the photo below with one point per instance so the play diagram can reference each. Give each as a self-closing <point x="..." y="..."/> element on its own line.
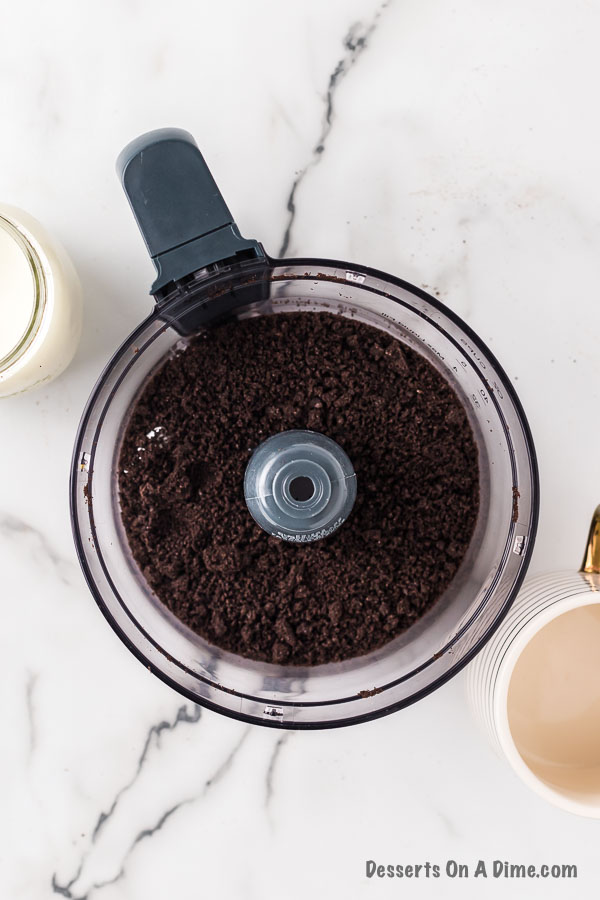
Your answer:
<point x="448" y="824"/>
<point x="11" y="526"/>
<point x="153" y="736"/>
<point x="65" y="889"/>
<point x="226" y="765"/>
<point x="275" y="754"/>
<point x="146" y="833"/>
<point x="32" y="678"/>
<point x="355" y="43"/>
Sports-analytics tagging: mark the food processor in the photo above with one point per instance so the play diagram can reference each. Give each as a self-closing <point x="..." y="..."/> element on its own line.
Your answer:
<point x="207" y="273"/>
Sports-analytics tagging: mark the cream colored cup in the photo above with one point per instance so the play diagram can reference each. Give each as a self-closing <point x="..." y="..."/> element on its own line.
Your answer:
<point x="536" y="684"/>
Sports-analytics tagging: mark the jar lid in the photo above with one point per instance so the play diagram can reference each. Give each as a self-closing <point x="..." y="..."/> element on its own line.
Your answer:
<point x="20" y="292"/>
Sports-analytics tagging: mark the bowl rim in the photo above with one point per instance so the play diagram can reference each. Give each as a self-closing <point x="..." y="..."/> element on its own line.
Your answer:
<point x="241" y="275"/>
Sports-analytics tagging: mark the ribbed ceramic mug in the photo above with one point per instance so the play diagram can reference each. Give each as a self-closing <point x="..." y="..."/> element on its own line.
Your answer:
<point x="536" y="684"/>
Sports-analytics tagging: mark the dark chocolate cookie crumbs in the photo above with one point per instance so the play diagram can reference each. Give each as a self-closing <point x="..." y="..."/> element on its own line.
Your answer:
<point x="197" y="423"/>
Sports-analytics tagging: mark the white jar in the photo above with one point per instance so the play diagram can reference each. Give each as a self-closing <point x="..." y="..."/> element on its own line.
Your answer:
<point x="535" y="686"/>
<point x="40" y="304"/>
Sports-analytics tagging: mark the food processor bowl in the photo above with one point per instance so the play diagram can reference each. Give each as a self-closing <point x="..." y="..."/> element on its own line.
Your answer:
<point x="245" y="283"/>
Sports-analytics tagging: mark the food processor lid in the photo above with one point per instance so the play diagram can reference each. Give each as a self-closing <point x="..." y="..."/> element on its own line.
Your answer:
<point x="300" y="486"/>
<point x="179" y="209"/>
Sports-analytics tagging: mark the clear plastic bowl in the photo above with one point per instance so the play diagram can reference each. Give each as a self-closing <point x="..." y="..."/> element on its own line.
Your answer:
<point x="440" y="643"/>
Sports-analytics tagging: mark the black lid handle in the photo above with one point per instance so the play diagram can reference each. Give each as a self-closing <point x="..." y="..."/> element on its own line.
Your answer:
<point x="178" y="207"/>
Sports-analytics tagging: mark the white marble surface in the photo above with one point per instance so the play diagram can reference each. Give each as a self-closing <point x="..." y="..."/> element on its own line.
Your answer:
<point x="460" y="151"/>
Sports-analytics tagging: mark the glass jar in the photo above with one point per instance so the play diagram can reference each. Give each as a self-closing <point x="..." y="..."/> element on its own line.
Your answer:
<point x="40" y="304"/>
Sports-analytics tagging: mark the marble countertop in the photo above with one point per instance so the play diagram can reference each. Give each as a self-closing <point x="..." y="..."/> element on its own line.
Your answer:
<point x="453" y="144"/>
